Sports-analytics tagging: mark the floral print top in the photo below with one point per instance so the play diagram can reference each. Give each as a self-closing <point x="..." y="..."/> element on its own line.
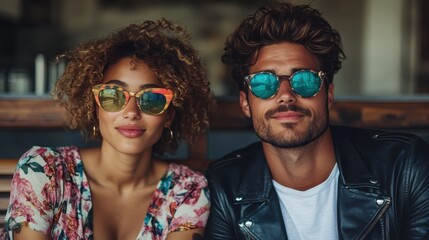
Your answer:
<point x="50" y="192"/>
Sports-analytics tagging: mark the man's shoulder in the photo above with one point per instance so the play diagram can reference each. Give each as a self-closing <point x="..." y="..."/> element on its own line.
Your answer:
<point x="379" y="148"/>
<point x="236" y="161"/>
<point x="371" y="136"/>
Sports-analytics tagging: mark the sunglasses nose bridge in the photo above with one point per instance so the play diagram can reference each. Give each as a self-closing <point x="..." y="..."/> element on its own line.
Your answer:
<point x="128" y="96"/>
<point x="284" y="80"/>
<point x="285" y="91"/>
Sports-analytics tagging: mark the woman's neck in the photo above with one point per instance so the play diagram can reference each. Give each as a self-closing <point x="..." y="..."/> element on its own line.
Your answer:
<point x="108" y="168"/>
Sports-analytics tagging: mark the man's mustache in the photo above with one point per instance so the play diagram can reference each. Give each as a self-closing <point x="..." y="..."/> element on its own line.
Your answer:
<point x="289" y="107"/>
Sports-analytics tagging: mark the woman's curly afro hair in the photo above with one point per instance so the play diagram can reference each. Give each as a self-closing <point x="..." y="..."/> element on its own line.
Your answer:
<point x="166" y="49"/>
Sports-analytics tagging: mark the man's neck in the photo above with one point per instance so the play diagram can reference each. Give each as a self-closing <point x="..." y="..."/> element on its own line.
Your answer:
<point x="304" y="167"/>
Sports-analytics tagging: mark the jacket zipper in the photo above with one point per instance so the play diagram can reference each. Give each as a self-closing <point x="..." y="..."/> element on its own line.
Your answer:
<point x="249" y="235"/>
<point x="384" y="225"/>
<point x="379" y="215"/>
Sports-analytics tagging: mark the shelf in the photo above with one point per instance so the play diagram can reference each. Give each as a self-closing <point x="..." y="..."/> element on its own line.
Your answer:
<point x="44" y="113"/>
<point x="29" y="113"/>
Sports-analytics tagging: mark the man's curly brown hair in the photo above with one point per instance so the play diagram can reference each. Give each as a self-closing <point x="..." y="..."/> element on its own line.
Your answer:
<point x="283" y="22"/>
<point x="165" y="48"/>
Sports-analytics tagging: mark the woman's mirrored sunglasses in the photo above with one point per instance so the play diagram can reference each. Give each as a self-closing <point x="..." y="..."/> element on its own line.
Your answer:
<point x="304" y="83"/>
<point x="112" y="98"/>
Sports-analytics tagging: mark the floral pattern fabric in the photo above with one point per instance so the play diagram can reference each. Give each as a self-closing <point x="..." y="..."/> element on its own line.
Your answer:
<point x="50" y="192"/>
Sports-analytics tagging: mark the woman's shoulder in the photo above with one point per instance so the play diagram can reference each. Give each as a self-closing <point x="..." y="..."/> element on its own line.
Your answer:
<point x="184" y="175"/>
<point x="49" y="156"/>
<point x="183" y="187"/>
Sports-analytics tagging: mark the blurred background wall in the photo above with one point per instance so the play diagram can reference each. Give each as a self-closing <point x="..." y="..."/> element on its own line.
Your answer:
<point x="386" y="41"/>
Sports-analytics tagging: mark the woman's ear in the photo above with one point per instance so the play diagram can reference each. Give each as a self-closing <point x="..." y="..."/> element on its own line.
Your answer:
<point x="171" y="113"/>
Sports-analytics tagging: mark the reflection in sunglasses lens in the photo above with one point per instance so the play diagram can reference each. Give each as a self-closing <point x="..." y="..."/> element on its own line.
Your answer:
<point x="152" y="103"/>
<point x="264" y="85"/>
<point x="305" y="83"/>
<point x="111" y="99"/>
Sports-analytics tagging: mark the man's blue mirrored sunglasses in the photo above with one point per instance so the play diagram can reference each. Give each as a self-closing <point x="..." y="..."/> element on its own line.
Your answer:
<point x="304" y="83"/>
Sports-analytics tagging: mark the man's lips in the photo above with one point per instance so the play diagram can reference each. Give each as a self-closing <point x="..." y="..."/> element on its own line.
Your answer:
<point x="131" y="131"/>
<point x="288" y="113"/>
<point x="287" y="116"/>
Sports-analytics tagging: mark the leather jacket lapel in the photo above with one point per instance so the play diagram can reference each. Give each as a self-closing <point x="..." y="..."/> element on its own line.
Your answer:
<point x="261" y="217"/>
<point x="357" y="186"/>
<point x="265" y="222"/>
<point x="357" y="223"/>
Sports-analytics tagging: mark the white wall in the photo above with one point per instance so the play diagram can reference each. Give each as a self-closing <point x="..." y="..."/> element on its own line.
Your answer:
<point x="382" y="41"/>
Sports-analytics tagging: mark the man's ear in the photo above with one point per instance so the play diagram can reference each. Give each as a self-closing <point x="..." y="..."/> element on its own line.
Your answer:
<point x="330" y="95"/>
<point x="244" y="103"/>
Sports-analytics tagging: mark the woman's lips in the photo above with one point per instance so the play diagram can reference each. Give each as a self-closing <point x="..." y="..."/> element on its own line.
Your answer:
<point x="130" y="131"/>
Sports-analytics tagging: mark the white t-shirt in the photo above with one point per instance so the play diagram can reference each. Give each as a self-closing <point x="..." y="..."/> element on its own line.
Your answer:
<point x="310" y="214"/>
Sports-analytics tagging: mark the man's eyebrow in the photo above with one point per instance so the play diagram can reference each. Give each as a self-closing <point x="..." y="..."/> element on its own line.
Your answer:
<point x="294" y="70"/>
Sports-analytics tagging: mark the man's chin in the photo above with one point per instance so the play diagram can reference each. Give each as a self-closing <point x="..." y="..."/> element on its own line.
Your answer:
<point x="292" y="137"/>
<point x="287" y="144"/>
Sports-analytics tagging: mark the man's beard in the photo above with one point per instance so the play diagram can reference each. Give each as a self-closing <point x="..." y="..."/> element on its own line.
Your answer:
<point x="293" y="138"/>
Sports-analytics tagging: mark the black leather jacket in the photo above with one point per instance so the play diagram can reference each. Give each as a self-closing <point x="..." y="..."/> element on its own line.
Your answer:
<point x="383" y="190"/>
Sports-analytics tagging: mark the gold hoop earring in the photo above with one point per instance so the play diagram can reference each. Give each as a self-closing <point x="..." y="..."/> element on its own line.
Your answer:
<point x="171" y="135"/>
<point x="94" y="131"/>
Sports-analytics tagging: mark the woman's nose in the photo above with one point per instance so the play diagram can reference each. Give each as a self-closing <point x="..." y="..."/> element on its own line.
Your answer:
<point x="132" y="110"/>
